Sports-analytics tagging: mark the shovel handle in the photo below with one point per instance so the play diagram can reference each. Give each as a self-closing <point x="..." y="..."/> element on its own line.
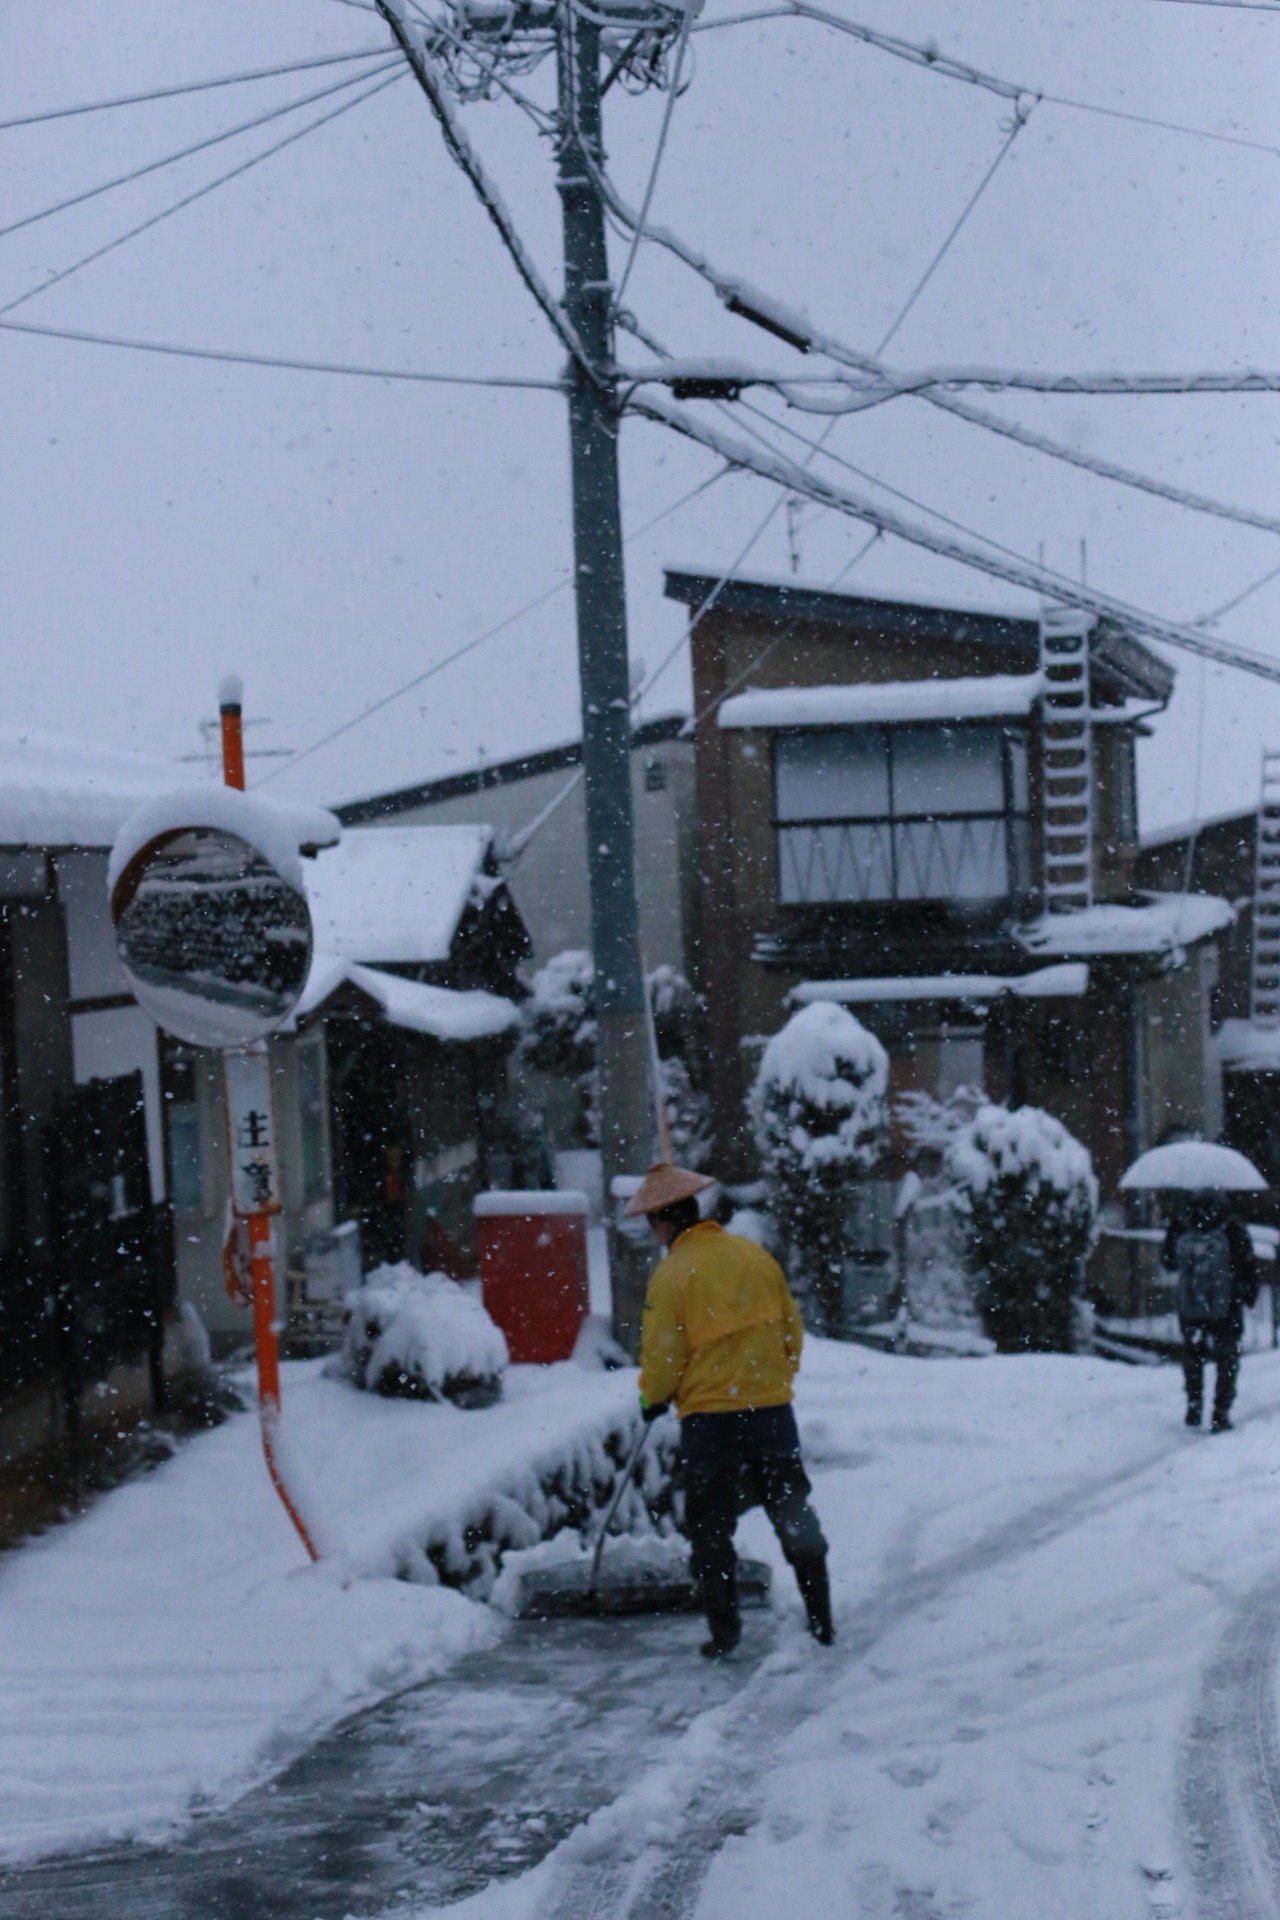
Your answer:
<point x="624" y="1481"/>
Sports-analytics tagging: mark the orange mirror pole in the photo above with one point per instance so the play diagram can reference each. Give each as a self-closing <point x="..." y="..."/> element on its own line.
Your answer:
<point x="231" y="716"/>
<point x="255" y="1173"/>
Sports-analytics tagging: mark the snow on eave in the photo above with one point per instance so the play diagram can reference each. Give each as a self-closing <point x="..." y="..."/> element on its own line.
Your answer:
<point x="965" y="697"/>
<point x="1183" y="829"/>
<point x="1068" y="980"/>
<point x="1246" y="1048"/>
<point x="442" y="1013"/>
<point x="1164" y="923"/>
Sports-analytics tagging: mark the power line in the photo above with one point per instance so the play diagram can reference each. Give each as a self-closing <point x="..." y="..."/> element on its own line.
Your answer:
<point x="187" y="86"/>
<point x="229" y="357"/>
<point x="793" y="325"/>
<point x="794" y="477"/>
<point x="659" y="150"/>
<point x="927" y="56"/>
<point x="200" y="146"/>
<point x="1019" y="122"/>
<point x="427" y="73"/>
<point x="200" y="192"/>
<point x="459" y="653"/>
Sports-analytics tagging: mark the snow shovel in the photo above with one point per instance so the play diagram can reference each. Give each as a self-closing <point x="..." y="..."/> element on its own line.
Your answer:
<point x="655" y="1579"/>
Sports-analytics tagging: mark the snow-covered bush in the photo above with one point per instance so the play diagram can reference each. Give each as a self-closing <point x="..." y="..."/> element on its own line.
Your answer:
<point x="818" y="1111"/>
<point x="928" y="1125"/>
<point x="422" y="1337"/>
<point x="1029" y="1204"/>
<point x="560" y="1037"/>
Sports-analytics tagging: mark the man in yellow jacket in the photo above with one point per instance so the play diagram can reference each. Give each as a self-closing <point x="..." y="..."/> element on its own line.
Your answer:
<point x="722" y="1337"/>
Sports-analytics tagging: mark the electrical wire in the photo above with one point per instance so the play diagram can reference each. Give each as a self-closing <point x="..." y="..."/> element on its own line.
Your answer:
<point x="1019" y="122"/>
<point x="672" y="93"/>
<point x="460" y="653"/>
<point x="725" y="284"/>
<point x="200" y="193"/>
<point x="792" y="476"/>
<point x="1237" y="599"/>
<point x="927" y="56"/>
<point x="427" y="74"/>
<point x="200" y="146"/>
<point x="187" y="86"/>
<point x="229" y="357"/>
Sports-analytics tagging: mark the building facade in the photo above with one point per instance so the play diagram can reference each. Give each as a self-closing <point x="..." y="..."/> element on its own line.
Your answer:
<point x="886" y="819"/>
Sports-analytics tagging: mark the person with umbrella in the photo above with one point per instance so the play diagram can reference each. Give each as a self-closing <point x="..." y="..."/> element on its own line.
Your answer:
<point x="1208" y="1248"/>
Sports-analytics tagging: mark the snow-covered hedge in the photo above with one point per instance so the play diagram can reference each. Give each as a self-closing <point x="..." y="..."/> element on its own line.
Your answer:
<point x="565" y="1493"/>
<point x="420" y="1336"/>
<point x="818" y="1111"/>
<point x="1029" y="1203"/>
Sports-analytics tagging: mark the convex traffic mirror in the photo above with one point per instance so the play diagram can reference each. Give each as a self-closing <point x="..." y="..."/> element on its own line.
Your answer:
<point x="213" y="929"/>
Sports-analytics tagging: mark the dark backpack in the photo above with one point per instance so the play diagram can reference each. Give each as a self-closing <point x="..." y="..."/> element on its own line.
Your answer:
<point x="1206" y="1274"/>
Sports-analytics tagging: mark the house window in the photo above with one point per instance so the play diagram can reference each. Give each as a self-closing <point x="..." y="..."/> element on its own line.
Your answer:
<point x="655" y="774"/>
<point x="311" y="1118"/>
<point x="183" y="1100"/>
<point x="901" y="813"/>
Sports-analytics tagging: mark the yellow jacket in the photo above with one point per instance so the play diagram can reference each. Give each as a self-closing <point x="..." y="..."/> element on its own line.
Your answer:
<point x="721" y="1330"/>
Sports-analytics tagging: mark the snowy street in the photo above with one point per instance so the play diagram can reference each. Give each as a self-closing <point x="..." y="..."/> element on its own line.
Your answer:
<point x="1053" y="1691"/>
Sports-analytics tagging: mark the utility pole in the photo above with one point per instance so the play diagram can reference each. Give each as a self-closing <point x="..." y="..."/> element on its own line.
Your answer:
<point x="626" y="1112"/>
<point x="462" y="54"/>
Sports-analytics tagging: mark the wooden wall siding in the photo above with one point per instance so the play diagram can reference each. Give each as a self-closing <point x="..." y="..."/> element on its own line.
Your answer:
<point x="1222" y="864"/>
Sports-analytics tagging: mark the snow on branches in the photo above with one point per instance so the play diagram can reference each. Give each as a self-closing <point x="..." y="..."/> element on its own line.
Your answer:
<point x="419" y="1336"/>
<point x="819" y="1116"/>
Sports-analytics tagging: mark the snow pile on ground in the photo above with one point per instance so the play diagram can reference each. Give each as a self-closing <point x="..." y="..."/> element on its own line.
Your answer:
<point x="174" y="1644"/>
<point x="420" y="1335"/>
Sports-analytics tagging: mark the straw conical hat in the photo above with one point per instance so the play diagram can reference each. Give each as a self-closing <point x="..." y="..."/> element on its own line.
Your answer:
<point x="662" y="1186"/>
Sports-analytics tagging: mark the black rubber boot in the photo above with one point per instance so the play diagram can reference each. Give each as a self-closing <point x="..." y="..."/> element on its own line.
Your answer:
<point x="1193" y="1413"/>
<point x="815" y="1591"/>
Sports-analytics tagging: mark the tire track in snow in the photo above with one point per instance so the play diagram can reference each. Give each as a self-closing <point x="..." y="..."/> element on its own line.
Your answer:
<point x="665" y="1883"/>
<point x="1230" y="1788"/>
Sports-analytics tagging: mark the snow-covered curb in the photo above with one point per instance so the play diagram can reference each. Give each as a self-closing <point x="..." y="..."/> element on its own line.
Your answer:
<point x="172" y="1647"/>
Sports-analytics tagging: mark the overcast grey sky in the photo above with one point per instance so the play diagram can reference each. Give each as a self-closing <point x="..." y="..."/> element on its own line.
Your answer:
<point x="162" y="521"/>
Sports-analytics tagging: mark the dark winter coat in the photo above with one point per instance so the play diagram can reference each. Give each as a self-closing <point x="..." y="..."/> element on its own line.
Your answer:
<point x="1200" y="1214"/>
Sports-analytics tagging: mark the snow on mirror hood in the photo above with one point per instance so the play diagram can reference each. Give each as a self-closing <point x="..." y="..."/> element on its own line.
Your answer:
<point x="212" y="924"/>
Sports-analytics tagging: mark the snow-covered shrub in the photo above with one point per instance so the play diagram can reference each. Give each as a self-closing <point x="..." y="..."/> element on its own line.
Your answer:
<point x="928" y="1125"/>
<point x="818" y="1111"/>
<point x="561" y="1037"/>
<point x="1029" y="1202"/>
<point x="422" y="1337"/>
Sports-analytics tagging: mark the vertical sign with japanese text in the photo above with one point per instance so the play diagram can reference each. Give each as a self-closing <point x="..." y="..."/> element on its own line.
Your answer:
<point x="251" y="1128"/>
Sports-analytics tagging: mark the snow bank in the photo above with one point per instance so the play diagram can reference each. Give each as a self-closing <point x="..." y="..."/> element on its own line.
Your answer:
<point x="174" y="1646"/>
<point x="421" y="1337"/>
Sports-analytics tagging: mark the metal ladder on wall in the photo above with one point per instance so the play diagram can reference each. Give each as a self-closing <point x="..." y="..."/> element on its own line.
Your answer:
<point x="1264" y="970"/>
<point x="1067" y="779"/>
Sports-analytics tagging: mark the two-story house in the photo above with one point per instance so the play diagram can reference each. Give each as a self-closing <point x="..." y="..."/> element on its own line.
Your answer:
<point x="929" y="813"/>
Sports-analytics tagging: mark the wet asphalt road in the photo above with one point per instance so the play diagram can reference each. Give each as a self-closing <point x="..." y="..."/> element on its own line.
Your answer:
<point x="426" y="1798"/>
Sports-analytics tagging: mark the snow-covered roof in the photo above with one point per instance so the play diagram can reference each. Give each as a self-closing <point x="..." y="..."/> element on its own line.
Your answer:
<point x="972" y="697"/>
<point x="440" y="1012"/>
<point x="1246" y="1048"/>
<point x="1003" y="604"/>
<point x="1164" y="923"/>
<point x="1066" y="981"/>
<point x="395" y="894"/>
<point x="60" y="792"/>
<point x="1183" y="829"/>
